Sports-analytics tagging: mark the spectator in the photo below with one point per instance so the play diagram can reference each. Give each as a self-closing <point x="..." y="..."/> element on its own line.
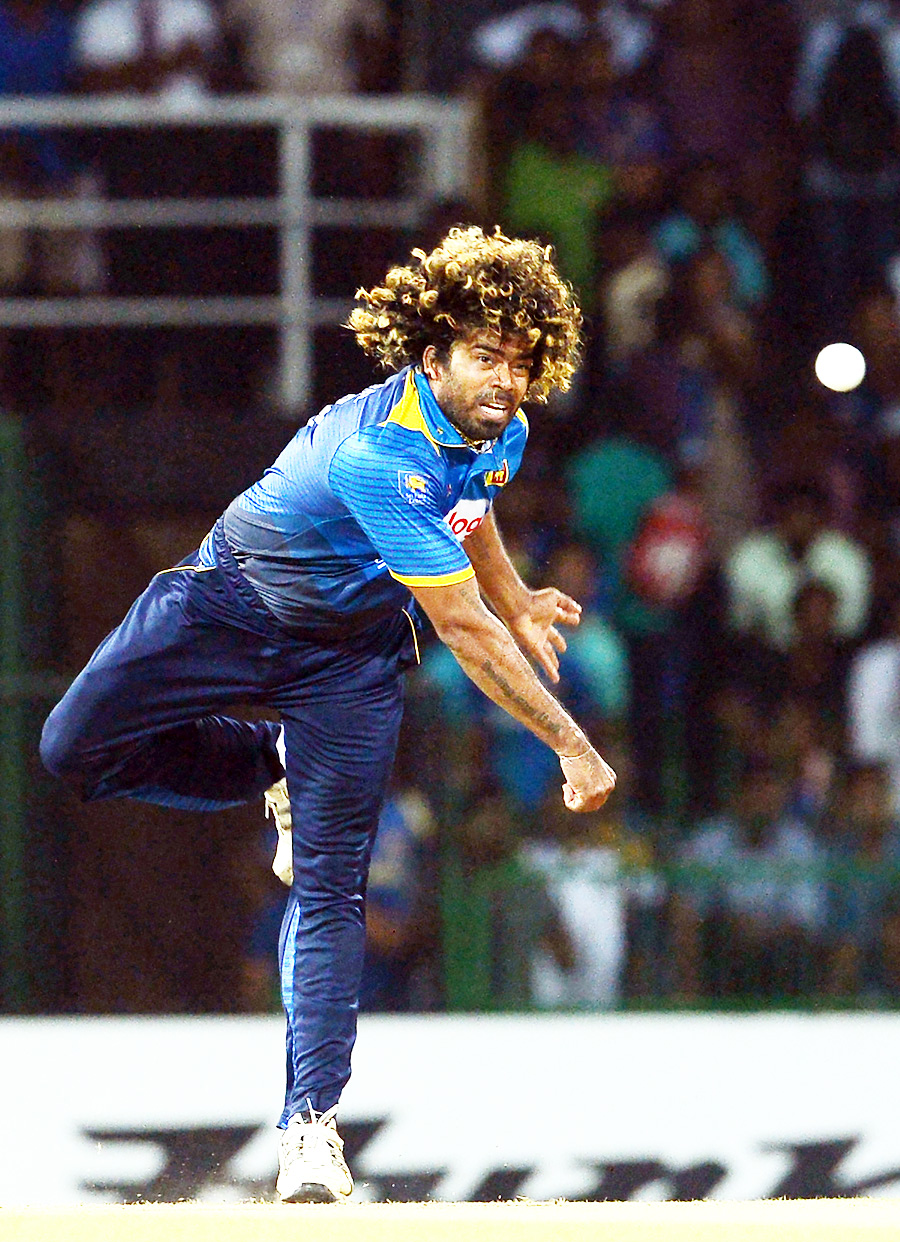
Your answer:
<point x="749" y="908"/>
<point x="823" y="433"/>
<point x="630" y="28"/>
<point x="766" y="181"/>
<point x="620" y="126"/>
<point x="870" y="410"/>
<point x="535" y="517"/>
<point x="502" y="42"/>
<point x="792" y="705"/>
<point x="553" y="192"/>
<point x="166" y="47"/>
<point x="612" y="483"/>
<point x="634" y="278"/>
<point x="863" y="837"/>
<point x="811" y="673"/>
<point x="332" y="47"/>
<point x="815" y="669"/>
<point x="36" y="60"/>
<point x="689" y="393"/>
<point x="704" y="215"/>
<point x="580" y="864"/>
<point x="170" y="50"/>
<point x="627" y="27"/>
<point x="718" y="69"/>
<point x="702" y="63"/>
<point x="598" y="872"/>
<point x="594" y="650"/>
<point x="874" y="702"/>
<point x="507" y="99"/>
<point x="767" y="568"/>
<point x="870" y="417"/>
<point x="804" y="746"/>
<point x="497" y="913"/>
<point x="847" y="100"/>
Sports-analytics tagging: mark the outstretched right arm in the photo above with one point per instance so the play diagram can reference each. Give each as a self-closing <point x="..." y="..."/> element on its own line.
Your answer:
<point x="488" y="654"/>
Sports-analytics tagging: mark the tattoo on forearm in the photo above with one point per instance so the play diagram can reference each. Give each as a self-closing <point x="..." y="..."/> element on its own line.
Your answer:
<point x="525" y="708"/>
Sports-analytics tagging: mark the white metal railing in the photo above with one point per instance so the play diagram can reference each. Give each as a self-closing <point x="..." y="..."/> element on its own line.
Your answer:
<point x="444" y="126"/>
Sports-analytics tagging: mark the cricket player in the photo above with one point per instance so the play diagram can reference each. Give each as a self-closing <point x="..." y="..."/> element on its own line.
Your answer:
<point x="304" y="598"/>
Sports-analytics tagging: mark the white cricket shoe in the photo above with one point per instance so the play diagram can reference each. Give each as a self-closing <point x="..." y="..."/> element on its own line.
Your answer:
<point x="311" y="1165"/>
<point x="278" y="805"/>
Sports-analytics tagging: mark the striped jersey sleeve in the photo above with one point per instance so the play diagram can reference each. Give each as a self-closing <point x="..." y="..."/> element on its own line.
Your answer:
<point x="397" y="500"/>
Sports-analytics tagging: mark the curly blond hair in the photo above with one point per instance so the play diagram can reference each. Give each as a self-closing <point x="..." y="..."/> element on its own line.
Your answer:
<point x="469" y="282"/>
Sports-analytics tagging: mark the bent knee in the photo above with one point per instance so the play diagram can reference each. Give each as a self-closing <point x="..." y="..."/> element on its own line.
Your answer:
<point x="59" y="753"/>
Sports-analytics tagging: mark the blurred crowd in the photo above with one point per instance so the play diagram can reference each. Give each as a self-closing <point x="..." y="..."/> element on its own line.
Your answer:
<point x="721" y="182"/>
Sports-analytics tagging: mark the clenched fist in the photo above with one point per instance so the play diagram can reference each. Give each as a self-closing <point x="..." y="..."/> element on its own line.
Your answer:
<point x="589" y="781"/>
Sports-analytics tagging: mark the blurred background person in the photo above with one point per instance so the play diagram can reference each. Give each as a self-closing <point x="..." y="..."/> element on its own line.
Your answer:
<point x="317" y="46"/>
<point x="719" y="67"/>
<point x="497" y="912"/>
<point x="619" y="124"/>
<point x="168" y="50"/>
<point x="862" y="835"/>
<point x="37" y="60"/>
<point x="599" y="873"/>
<point x="749" y="904"/>
<point x="846" y="99"/>
<point x="581" y="867"/>
<point x="702" y="216"/>
<point x="791" y="704"/>
<point x="873" y="698"/>
<point x="552" y="190"/>
<point x="769" y="565"/>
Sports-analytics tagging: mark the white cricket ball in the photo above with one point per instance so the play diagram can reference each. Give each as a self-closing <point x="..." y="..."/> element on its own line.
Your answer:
<point x="840" y="367"/>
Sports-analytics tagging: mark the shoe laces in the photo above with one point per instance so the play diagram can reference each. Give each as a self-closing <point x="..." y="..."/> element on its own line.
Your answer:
<point x="315" y="1138"/>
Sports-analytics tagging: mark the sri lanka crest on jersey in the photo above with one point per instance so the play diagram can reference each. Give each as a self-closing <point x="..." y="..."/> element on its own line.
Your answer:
<point x="412" y="486"/>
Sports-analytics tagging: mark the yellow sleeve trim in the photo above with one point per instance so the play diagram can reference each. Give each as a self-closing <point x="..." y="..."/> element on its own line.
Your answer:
<point x="460" y="575"/>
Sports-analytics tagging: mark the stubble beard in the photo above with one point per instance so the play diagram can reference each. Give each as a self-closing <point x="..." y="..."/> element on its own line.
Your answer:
<point x="466" y="419"/>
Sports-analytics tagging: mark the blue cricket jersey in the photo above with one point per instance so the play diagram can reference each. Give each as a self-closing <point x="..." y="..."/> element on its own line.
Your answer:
<point x="374" y="495"/>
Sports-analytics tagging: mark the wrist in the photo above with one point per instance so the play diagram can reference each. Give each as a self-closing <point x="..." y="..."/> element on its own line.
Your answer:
<point x="575" y="748"/>
<point x="515" y="605"/>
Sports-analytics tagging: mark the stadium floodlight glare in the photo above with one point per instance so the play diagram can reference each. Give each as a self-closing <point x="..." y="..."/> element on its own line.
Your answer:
<point x="840" y="367"/>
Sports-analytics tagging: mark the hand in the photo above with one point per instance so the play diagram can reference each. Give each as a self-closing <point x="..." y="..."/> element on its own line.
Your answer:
<point x="589" y="781"/>
<point x="534" y="628"/>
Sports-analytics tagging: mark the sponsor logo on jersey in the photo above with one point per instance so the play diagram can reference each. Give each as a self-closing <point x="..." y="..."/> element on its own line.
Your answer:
<point x="413" y="487"/>
<point x="466" y="517"/>
<point x="498" y="478"/>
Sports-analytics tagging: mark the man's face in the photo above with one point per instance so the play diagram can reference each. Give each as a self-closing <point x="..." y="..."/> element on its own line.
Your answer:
<point x="482" y="383"/>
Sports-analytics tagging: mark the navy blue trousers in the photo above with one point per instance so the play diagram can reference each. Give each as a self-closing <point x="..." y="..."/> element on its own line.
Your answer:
<point x="144" y="720"/>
